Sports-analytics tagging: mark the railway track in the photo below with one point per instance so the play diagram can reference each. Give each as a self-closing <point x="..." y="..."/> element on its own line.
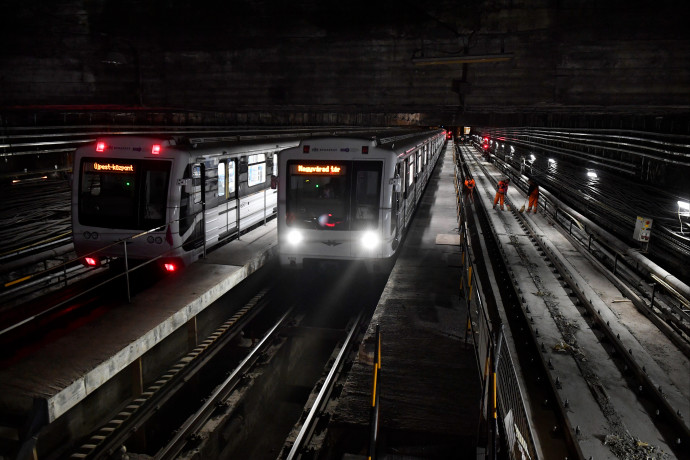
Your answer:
<point x="256" y="387"/>
<point x="621" y="386"/>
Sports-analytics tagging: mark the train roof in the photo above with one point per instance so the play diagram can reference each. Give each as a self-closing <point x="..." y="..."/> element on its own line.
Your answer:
<point x="397" y="142"/>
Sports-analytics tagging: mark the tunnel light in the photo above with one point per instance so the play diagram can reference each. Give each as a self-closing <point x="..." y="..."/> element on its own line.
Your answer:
<point x="683" y="211"/>
<point x="591" y="174"/>
<point x="294" y="237"/>
<point x="512" y="149"/>
<point x="552" y="161"/>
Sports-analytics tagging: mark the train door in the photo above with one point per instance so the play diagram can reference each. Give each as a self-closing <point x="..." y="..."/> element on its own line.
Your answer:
<point x="396" y="215"/>
<point x="191" y="212"/>
<point x="410" y="189"/>
<point x="226" y="194"/>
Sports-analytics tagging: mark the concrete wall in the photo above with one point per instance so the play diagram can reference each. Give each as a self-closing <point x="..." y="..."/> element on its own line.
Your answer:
<point x="353" y="58"/>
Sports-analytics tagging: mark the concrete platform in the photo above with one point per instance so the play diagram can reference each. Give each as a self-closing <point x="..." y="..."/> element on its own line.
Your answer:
<point x="429" y="382"/>
<point x="66" y="371"/>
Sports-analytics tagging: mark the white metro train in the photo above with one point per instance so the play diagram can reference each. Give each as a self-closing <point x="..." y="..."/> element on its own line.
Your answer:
<point x="144" y="198"/>
<point x="345" y="199"/>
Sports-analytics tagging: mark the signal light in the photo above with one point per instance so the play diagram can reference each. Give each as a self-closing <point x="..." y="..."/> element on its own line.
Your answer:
<point x="100" y="146"/>
<point x="156" y="149"/>
<point x="485" y="146"/>
<point x="91" y="262"/>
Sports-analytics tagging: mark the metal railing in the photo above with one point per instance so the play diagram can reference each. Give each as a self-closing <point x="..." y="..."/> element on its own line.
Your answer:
<point x="375" y="408"/>
<point x="502" y="405"/>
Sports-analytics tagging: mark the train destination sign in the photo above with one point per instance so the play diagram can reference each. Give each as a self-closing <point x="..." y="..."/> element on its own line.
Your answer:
<point x="112" y="167"/>
<point x="318" y="169"/>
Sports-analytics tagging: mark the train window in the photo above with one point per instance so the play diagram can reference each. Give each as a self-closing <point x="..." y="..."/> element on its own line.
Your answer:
<point x="222" y="179"/>
<point x="318" y="194"/>
<point x="155" y="196"/>
<point x="329" y="195"/>
<point x="367" y="186"/>
<point x="256" y="171"/>
<point x="410" y="171"/>
<point x="196" y="183"/>
<point x="128" y="194"/>
<point x="231" y="177"/>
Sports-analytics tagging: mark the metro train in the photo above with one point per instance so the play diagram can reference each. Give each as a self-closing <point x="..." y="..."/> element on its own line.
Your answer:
<point x="143" y="198"/>
<point x="345" y="199"/>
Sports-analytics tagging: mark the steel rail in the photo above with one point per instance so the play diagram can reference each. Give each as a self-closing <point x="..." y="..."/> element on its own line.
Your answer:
<point x="201" y="416"/>
<point x="324" y="393"/>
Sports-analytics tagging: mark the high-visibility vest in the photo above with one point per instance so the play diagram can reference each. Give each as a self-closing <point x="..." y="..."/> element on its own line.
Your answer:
<point x="502" y="187"/>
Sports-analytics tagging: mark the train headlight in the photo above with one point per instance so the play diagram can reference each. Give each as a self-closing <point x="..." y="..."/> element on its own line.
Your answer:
<point x="294" y="237"/>
<point x="370" y="240"/>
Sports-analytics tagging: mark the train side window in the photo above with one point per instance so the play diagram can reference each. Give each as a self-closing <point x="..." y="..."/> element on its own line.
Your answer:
<point x="196" y="183"/>
<point x="410" y="171"/>
<point x="231" y="177"/>
<point x="222" y="179"/>
<point x="256" y="171"/>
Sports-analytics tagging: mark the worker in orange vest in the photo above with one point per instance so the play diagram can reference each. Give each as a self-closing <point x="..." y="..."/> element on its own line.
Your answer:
<point x="533" y="196"/>
<point x="469" y="188"/>
<point x="501" y="192"/>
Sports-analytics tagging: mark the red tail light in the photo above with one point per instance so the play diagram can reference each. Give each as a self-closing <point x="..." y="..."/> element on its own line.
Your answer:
<point x="100" y="146"/>
<point x="305" y="149"/>
<point x="156" y="149"/>
<point x="91" y="262"/>
<point x="170" y="267"/>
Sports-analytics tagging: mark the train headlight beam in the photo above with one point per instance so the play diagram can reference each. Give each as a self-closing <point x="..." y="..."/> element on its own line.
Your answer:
<point x="294" y="237"/>
<point x="370" y="240"/>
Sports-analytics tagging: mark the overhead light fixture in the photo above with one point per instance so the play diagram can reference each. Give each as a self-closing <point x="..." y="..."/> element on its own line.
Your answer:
<point x="466" y="59"/>
<point x="683" y="206"/>
<point x="592" y="174"/>
<point x="551" y="160"/>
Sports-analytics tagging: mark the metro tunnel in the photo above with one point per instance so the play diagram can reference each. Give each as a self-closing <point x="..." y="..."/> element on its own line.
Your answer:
<point x="590" y="101"/>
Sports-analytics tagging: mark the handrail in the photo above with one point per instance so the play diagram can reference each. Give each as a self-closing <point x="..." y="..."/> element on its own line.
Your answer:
<point x="494" y="360"/>
<point x="375" y="407"/>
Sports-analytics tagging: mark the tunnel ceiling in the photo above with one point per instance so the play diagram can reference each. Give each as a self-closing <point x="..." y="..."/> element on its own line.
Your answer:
<point x="466" y="62"/>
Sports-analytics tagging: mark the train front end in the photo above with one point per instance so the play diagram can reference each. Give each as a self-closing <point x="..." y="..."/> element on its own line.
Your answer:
<point x="121" y="199"/>
<point x="333" y="204"/>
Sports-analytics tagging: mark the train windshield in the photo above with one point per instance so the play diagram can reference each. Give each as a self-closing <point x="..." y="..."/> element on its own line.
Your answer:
<point x="120" y="193"/>
<point x="334" y="195"/>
